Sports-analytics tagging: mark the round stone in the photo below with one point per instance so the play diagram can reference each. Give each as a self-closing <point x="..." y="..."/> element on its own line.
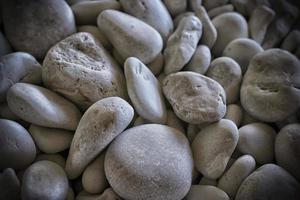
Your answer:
<point x="270" y="89"/>
<point x="150" y="162"/>
<point x="16" y="146"/>
<point x="195" y="98"/>
<point x="34" y="26"/>
<point x="44" y="180"/>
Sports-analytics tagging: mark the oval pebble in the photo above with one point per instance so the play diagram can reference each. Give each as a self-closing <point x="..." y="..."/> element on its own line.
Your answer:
<point x="16" y="145"/>
<point x="195" y="98"/>
<point x="213" y="146"/>
<point x="99" y="125"/>
<point x="144" y="91"/>
<point x="206" y="192"/>
<point x="139" y="166"/>
<point x="42" y="107"/>
<point x="269" y="182"/>
<point x="44" y="180"/>
<point x="200" y="60"/>
<point x="9" y="185"/>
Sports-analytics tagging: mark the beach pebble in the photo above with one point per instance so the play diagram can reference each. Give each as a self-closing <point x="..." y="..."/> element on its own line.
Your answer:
<point x="179" y="17"/>
<point x="206" y="192"/>
<point x="10" y="186"/>
<point x="257" y="140"/>
<point x="99" y="125"/>
<point x="18" y="67"/>
<point x="213" y="146"/>
<point x="195" y="98"/>
<point x="17" y="147"/>
<point x="93" y="177"/>
<point x="144" y="91"/>
<point x="130" y="36"/>
<point x="242" y="50"/>
<point x="139" y="166"/>
<point x="270" y="89"/>
<point x="42" y="107"/>
<point x="200" y="60"/>
<point x="182" y="44"/>
<point x="231" y="180"/>
<point x="287" y="149"/>
<point x="57" y="158"/>
<point x="80" y="69"/>
<point x="44" y="180"/>
<point x="234" y="113"/>
<point x="228" y="73"/>
<point x="269" y="182"/>
<point x="176" y="7"/>
<point x="36" y="33"/>
<point x="230" y="26"/>
<point x="153" y="12"/>
<point x="51" y="140"/>
<point x="5" y="47"/>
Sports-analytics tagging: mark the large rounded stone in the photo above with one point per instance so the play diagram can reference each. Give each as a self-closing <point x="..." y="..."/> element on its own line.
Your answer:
<point x="269" y="182"/>
<point x="195" y="98"/>
<point x="44" y="180"/>
<point x="34" y="26"/>
<point x="150" y="162"/>
<point x="270" y="89"/>
<point x="81" y="69"/>
<point x="16" y="146"/>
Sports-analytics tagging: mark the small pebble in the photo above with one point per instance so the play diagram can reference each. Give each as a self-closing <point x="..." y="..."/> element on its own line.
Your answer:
<point x="200" y="60"/>
<point x="176" y="7"/>
<point x="234" y="113"/>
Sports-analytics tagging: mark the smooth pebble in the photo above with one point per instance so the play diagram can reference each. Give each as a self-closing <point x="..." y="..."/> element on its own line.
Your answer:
<point x="200" y="61"/>
<point x="206" y="192"/>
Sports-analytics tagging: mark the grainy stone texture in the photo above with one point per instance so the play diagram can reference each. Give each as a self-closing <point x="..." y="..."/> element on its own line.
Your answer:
<point x="99" y="125"/>
<point x="33" y="26"/>
<point x="80" y="69"/>
<point x="269" y="182"/>
<point x="213" y="146"/>
<point x="206" y="192"/>
<point x="44" y="180"/>
<point x="130" y="36"/>
<point x="16" y="146"/>
<point x="270" y="89"/>
<point x="42" y="107"/>
<point x="195" y="98"/>
<point x="200" y="60"/>
<point x="139" y="166"/>
<point x="9" y="185"/>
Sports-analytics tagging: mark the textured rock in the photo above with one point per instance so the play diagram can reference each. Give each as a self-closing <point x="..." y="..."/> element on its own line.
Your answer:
<point x="42" y="107"/>
<point x="206" y="192"/>
<point x="36" y="33"/>
<point x="139" y="166"/>
<point x="99" y="125"/>
<point x="195" y="98"/>
<point x="200" y="60"/>
<point x="10" y="186"/>
<point x="213" y="146"/>
<point x="16" y="146"/>
<point x="80" y="69"/>
<point x="44" y="180"/>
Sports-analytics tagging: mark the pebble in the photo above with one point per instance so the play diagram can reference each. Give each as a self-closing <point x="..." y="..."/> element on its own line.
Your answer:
<point x="211" y="4"/>
<point x="130" y="36"/>
<point x="44" y="180"/>
<point x="182" y="44"/>
<point x="6" y="113"/>
<point x="242" y="50"/>
<point x="5" y="47"/>
<point x="93" y="177"/>
<point x="257" y="140"/>
<point x="287" y="149"/>
<point x="195" y="98"/>
<point x="220" y="10"/>
<point x="18" y="67"/>
<point x="56" y="158"/>
<point x="200" y="60"/>
<point x="144" y="91"/>
<point x="108" y="194"/>
<point x="42" y="107"/>
<point x="179" y="17"/>
<point x="269" y="182"/>
<point x="99" y="125"/>
<point x="229" y="26"/>
<point x="269" y="91"/>
<point x="17" y="147"/>
<point x="80" y="69"/>
<point x="86" y="12"/>
<point x="234" y="113"/>
<point x="157" y="64"/>
<point x="208" y="181"/>
<point x="139" y="166"/>
<point x="152" y="12"/>
<point x="9" y="185"/>
<point x="206" y="192"/>
<point x="227" y="72"/>
<point x="70" y="195"/>
<point x="176" y="7"/>
<point x="213" y="146"/>
<point x="231" y="180"/>
<point x="36" y="33"/>
<point x="51" y="140"/>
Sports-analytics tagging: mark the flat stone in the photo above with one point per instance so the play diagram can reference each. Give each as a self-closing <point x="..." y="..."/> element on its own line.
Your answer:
<point x="139" y="166"/>
<point x="10" y="186"/>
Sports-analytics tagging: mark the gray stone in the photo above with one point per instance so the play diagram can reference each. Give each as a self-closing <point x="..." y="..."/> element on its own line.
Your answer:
<point x="10" y="186"/>
<point x="176" y="7"/>
<point x="200" y="61"/>
<point x="206" y="192"/>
